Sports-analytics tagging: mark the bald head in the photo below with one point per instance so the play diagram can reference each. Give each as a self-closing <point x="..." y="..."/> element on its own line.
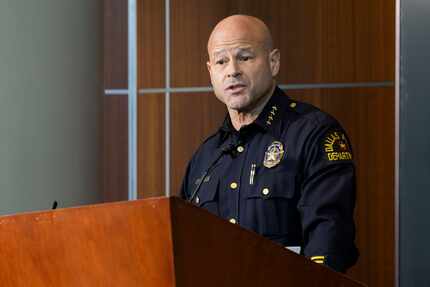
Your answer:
<point x="242" y="64"/>
<point x="240" y="28"/>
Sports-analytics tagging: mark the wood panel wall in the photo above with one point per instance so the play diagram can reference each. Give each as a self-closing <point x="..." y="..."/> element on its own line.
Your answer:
<point x="320" y="41"/>
<point x="150" y="155"/>
<point x="151" y="74"/>
<point x="327" y="41"/>
<point x="115" y="108"/>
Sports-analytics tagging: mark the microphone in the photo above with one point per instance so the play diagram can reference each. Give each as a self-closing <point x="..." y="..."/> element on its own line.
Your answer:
<point x="229" y="148"/>
<point x="225" y="150"/>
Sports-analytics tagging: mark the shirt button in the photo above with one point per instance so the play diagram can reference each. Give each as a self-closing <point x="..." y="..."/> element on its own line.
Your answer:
<point x="240" y="148"/>
<point x="232" y="220"/>
<point x="233" y="185"/>
<point x="197" y="199"/>
<point x="265" y="191"/>
<point x="293" y="105"/>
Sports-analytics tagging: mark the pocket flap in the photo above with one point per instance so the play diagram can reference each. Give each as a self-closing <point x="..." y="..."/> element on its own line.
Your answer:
<point x="273" y="186"/>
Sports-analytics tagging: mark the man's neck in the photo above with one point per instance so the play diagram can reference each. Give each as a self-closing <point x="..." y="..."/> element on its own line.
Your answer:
<point x="243" y="118"/>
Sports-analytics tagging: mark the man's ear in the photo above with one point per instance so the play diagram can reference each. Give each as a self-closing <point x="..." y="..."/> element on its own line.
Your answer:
<point x="208" y="65"/>
<point x="275" y="61"/>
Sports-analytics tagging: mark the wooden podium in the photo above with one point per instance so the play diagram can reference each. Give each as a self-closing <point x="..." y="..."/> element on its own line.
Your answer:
<point x="153" y="242"/>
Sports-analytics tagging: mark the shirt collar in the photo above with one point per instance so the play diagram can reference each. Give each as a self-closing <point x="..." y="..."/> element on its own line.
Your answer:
<point x="271" y="113"/>
<point x="268" y="120"/>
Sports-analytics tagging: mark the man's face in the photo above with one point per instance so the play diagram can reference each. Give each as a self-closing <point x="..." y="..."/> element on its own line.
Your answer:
<point x="241" y="72"/>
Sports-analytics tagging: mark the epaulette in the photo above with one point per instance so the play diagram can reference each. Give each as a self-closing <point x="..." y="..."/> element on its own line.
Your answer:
<point x="310" y="112"/>
<point x="302" y="108"/>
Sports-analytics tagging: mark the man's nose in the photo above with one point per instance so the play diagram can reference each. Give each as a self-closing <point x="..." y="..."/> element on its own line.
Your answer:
<point x="233" y="70"/>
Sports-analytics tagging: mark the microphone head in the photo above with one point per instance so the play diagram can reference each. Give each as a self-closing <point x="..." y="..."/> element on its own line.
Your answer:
<point x="228" y="148"/>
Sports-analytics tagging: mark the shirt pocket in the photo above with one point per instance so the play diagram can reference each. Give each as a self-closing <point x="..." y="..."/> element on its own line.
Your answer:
<point x="270" y="207"/>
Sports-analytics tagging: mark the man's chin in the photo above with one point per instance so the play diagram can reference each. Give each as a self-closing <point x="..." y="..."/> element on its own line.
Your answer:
<point x="237" y="101"/>
<point x="238" y="106"/>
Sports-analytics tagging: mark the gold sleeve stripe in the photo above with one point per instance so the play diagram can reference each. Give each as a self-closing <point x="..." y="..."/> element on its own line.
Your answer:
<point x="317" y="257"/>
<point x="318" y="261"/>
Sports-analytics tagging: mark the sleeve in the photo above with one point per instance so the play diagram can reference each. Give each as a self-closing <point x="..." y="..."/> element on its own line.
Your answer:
<point x="328" y="198"/>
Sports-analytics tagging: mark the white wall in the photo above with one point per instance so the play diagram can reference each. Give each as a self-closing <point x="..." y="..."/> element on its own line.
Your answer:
<point x="50" y="102"/>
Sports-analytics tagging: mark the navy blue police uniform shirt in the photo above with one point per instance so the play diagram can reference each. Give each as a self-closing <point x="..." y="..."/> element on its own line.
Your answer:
<point x="290" y="178"/>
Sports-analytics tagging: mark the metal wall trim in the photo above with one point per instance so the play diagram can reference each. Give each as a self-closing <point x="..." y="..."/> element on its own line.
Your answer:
<point x="132" y="100"/>
<point x="282" y="86"/>
<point x="116" y="92"/>
<point x="385" y="84"/>
<point x="397" y="152"/>
<point x="167" y="102"/>
<point x="337" y="85"/>
<point x="176" y="90"/>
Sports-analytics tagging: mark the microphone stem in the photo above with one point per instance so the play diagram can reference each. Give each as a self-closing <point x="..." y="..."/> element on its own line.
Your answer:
<point x="202" y="178"/>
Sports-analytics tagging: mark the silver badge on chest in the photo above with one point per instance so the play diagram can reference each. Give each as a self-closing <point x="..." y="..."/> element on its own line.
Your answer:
<point x="274" y="154"/>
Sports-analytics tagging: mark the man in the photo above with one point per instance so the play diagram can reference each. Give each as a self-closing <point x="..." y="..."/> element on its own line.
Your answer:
<point x="278" y="167"/>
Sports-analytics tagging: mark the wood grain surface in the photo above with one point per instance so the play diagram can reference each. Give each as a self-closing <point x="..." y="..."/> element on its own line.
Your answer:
<point x="150" y="42"/>
<point x="115" y="44"/>
<point x="117" y="244"/>
<point x="151" y="145"/>
<point x="115" y="148"/>
<point x="162" y="242"/>
<point x="212" y="252"/>
<point x="320" y="41"/>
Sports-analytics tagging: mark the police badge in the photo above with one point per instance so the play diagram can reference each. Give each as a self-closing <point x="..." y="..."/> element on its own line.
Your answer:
<point x="273" y="155"/>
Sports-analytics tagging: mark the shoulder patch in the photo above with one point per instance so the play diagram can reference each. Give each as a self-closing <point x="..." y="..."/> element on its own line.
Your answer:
<point x="336" y="146"/>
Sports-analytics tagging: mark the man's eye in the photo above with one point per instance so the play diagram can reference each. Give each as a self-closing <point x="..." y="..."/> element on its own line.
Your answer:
<point x="245" y="58"/>
<point x="220" y="62"/>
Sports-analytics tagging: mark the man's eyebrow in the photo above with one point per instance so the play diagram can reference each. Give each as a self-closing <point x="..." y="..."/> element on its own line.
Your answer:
<point x="235" y="50"/>
<point x="217" y="53"/>
<point x="247" y="49"/>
